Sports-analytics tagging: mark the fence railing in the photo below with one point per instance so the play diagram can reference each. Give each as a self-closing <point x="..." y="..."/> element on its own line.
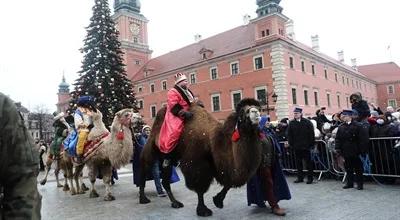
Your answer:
<point x="383" y="158"/>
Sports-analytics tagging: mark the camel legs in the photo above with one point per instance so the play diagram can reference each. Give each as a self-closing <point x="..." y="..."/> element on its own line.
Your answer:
<point x="48" y="168"/>
<point x="92" y="177"/>
<point x="77" y="173"/>
<point x="144" y="169"/>
<point x="219" y="198"/>
<point x="166" y="182"/>
<point x="107" y="172"/>
<point x="56" y="172"/>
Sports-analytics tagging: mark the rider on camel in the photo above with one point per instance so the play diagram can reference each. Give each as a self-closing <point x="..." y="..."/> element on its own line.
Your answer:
<point x="83" y="123"/>
<point x="179" y="100"/>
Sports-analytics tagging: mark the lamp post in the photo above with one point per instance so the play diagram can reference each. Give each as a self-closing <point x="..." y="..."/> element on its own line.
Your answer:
<point x="274" y="98"/>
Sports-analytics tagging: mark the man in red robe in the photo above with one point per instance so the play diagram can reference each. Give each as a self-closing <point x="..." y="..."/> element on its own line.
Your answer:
<point x="179" y="100"/>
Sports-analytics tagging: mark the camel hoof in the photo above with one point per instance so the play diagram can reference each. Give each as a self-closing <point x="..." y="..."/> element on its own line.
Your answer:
<point x="176" y="205"/>
<point x="66" y="188"/>
<point x="93" y="194"/>
<point x="73" y="192"/>
<point x="109" y="198"/>
<point x="84" y="187"/>
<point x="43" y="182"/>
<point x="59" y="185"/>
<point x="144" y="200"/>
<point x="218" y="202"/>
<point x="203" y="211"/>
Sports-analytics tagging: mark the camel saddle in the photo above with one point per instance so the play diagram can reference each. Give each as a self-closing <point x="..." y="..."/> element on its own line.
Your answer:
<point x="92" y="146"/>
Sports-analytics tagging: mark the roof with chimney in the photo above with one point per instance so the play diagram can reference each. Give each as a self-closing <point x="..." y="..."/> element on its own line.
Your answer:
<point x="381" y="72"/>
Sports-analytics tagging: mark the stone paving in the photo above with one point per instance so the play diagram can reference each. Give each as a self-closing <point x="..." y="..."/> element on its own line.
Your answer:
<point x="322" y="200"/>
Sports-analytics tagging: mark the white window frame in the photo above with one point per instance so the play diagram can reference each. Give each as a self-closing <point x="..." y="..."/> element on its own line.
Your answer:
<point x="140" y="89"/>
<point x="151" y="113"/>
<point x="260" y="88"/>
<point x="388" y="91"/>
<point x="316" y="91"/>
<point x="395" y="103"/>
<point x="195" y="78"/>
<point x="291" y="94"/>
<point x="308" y="97"/>
<point x="238" y="67"/>
<point x="254" y="61"/>
<point x="154" y="86"/>
<point x="236" y="92"/>
<point x="138" y="104"/>
<point x="328" y="101"/>
<point x="339" y="100"/>
<point x="212" y="103"/>
<point x="216" y="71"/>
<point x="291" y="67"/>
<point x="162" y="85"/>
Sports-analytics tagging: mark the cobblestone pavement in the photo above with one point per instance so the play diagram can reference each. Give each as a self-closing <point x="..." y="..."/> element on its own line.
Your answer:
<point x="322" y="200"/>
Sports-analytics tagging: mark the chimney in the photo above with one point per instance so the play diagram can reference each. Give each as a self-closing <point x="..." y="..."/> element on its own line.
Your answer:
<point x="354" y="64"/>
<point x="246" y="19"/>
<point x="340" y="56"/>
<point x="197" y="38"/>
<point x="315" y="42"/>
<point x="290" y="29"/>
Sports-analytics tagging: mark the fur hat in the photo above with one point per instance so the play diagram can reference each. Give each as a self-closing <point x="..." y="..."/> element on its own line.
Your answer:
<point x="179" y="77"/>
<point x="144" y="127"/>
<point x="59" y="116"/>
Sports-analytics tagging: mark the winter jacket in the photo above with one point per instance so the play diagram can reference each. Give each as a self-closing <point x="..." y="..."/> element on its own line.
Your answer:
<point x="301" y="134"/>
<point x="351" y="139"/>
<point x="362" y="108"/>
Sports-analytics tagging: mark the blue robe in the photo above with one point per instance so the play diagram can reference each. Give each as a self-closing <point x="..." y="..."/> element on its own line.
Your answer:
<point x="255" y="191"/>
<point x="137" y="150"/>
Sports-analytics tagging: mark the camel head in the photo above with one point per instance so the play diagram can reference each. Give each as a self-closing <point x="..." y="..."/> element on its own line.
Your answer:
<point x="248" y="110"/>
<point x="97" y="116"/>
<point x="124" y="117"/>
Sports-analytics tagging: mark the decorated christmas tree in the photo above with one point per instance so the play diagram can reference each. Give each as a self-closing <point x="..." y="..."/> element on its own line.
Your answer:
<point x="102" y="74"/>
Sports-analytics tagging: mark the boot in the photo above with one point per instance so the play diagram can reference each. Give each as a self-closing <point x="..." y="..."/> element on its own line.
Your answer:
<point x="309" y="180"/>
<point x="299" y="180"/>
<point x="360" y="186"/>
<point x="276" y="210"/>
<point x="348" y="185"/>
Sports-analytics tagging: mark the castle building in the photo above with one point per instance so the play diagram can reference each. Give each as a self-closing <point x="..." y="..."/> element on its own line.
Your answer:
<point x="63" y="96"/>
<point x="260" y="59"/>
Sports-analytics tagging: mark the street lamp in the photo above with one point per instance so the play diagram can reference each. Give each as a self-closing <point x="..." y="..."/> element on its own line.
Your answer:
<point x="274" y="99"/>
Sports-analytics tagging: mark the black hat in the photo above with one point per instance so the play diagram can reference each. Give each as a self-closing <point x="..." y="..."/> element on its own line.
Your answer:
<point x="298" y="110"/>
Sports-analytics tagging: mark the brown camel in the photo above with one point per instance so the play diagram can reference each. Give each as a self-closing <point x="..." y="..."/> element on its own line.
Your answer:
<point x="206" y="151"/>
<point x="115" y="150"/>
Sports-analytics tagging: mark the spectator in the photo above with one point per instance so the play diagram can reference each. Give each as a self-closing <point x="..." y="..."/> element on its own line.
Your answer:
<point x="302" y="140"/>
<point x="321" y="118"/>
<point x="360" y="105"/>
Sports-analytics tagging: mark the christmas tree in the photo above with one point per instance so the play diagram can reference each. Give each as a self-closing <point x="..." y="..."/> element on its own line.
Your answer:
<point x="102" y="74"/>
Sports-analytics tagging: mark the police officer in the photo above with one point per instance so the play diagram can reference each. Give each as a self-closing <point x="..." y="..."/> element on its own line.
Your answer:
<point x="302" y="139"/>
<point x="351" y="142"/>
<point x="18" y="166"/>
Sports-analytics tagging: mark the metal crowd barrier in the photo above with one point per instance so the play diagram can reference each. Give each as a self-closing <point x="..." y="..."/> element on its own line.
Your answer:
<point x="319" y="155"/>
<point x="383" y="155"/>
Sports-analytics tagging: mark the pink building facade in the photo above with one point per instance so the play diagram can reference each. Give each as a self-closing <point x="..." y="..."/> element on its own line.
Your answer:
<point x="258" y="59"/>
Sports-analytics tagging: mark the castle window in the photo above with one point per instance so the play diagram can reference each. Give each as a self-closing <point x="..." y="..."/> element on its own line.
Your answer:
<point x="313" y="69"/>
<point x="140" y="104"/>
<point x="153" y="111"/>
<point x="291" y="64"/>
<point x="152" y="88"/>
<point x="303" y="67"/>
<point x="305" y="97"/>
<point x="192" y="78"/>
<point x="390" y="89"/>
<point x="326" y="74"/>
<point x="267" y="32"/>
<point x="258" y="62"/>
<point x="316" y="98"/>
<point x="262" y="33"/>
<point x="164" y="85"/>
<point x="294" y="96"/>
<point x="213" y="73"/>
<point x="236" y="97"/>
<point x="234" y="68"/>
<point x="215" y="103"/>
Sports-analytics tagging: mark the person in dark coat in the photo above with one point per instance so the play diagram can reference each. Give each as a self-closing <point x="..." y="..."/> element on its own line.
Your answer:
<point x="351" y="142"/>
<point x="269" y="183"/>
<point x="360" y="105"/>
<point x="302" y="139"/>
<point x="139" y="142"/>
<point x="321" y="118"/>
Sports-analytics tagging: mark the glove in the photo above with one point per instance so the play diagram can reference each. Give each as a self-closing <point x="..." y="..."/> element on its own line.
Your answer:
<point x="187" y="116"/>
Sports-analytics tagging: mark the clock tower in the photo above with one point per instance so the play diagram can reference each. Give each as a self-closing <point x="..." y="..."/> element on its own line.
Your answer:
<point x="132" y="27"/>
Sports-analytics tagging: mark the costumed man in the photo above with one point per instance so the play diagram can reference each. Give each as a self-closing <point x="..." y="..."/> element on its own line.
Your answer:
<point x="351" y="141"/>
<point x="61" y="128"/>
<point x="83" y="123"/>
<point x="179" y="99"/>
<point x="269" y="183"/>
<point x="302" y="139"/>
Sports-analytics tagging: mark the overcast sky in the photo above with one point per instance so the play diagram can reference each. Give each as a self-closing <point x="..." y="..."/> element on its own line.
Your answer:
<point x="40" y="39"/>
